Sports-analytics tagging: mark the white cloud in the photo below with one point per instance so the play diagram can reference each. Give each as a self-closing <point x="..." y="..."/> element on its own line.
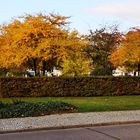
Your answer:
<point x="128" y="10"/>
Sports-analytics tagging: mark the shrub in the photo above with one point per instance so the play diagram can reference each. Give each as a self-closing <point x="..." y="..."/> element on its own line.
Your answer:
<point x="26" y="109"/>
<point x="101" y="72"/>
<point x="69" y="87"/>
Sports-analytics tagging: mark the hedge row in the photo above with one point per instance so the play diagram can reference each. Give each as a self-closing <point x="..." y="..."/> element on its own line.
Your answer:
<point x="64" y="87"/>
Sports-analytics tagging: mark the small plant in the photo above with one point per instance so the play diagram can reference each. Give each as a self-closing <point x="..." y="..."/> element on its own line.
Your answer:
<point x="16" y="101"/>
<point x="20" y="108"/>
<point x="2" y="105"/>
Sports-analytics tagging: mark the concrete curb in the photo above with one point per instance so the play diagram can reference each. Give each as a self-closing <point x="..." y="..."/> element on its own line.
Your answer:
<point x="68" y="127"/>
<point x="71" y="120"/>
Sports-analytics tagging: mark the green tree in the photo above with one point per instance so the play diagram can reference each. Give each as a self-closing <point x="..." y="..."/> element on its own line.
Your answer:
<point x="75" y="62"/>
<point x="101" y="44"/>
<point x="76" y="65"/>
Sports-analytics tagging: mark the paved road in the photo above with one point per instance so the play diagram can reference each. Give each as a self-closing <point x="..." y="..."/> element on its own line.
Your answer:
<point x="114" y="132"/>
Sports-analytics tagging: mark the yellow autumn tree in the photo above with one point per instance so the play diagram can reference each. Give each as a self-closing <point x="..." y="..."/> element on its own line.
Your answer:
<point x="39" y="42"/>
<point x="75" y="62"/>
<point x="128" y="54"/>
<point x="24" y="36"/>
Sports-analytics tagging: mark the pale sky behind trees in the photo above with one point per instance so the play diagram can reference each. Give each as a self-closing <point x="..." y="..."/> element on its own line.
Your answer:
<point x="85" y="14"/>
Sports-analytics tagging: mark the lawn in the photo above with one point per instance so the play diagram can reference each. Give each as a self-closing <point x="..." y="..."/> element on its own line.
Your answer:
<point x="91" y="104"/>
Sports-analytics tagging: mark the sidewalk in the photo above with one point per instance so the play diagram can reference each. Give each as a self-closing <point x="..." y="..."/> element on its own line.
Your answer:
<point x="68" y="120"/>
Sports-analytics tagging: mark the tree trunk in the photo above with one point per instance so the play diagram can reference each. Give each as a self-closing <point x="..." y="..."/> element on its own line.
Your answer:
<point x="138" y="69"/>
<point x="134" y="73"/>
<point x="35" y="66"/>
<point x="43" y="67"/>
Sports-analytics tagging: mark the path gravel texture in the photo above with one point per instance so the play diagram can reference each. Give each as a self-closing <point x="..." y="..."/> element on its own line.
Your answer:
<point x="68" y="120"/>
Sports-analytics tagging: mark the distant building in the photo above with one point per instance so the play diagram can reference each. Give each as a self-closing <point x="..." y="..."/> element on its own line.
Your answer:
<point x="55" y="72"/>
<point x="121" y="71"/>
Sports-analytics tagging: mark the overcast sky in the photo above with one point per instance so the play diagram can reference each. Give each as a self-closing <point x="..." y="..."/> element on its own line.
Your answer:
<point x="85" y="14"/>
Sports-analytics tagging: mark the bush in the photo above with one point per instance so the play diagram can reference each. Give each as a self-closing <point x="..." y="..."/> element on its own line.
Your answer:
<point x="101" y="72"/>
<point x="26" y="109"/>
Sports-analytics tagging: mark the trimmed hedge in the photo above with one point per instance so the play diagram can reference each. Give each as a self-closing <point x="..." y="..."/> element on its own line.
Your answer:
<point x="66" y="87"/>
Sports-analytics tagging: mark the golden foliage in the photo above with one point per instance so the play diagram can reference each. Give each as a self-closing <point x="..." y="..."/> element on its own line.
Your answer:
<point x="128" y="54"/>
<point x="37" y="38"/>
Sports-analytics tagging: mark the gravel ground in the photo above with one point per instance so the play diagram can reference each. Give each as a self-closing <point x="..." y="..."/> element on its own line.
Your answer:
<point x="68" y="120"/>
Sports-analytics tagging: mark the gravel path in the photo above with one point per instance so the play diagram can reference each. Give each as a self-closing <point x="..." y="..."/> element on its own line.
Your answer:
<point x="68" y="120"/>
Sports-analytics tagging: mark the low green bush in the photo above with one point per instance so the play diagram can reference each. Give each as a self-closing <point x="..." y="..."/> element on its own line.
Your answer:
<point x="101" y="72"/>
<point x="26" y="109"/>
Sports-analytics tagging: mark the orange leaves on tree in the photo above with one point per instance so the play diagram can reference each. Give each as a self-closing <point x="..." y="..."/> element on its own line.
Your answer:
<point x="128" y="54"/>
<point x="32" y="40"/>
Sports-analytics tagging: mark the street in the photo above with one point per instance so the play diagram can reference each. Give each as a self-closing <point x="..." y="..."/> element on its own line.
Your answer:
<point x="112" y="132"/>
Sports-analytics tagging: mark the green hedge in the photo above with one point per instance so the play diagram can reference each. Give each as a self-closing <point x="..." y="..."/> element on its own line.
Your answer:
<point x="64" y="87"/>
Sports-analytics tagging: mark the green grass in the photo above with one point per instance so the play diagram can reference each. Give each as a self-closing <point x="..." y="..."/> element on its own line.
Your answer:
<point x="91" y="104"/>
